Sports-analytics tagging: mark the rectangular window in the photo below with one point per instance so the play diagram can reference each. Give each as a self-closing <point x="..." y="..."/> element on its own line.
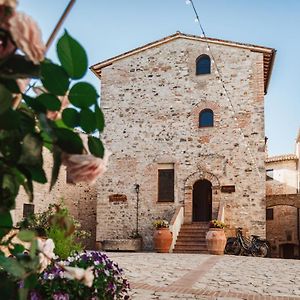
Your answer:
<point x="269" y="174"/>
<point x="270" y="214"/>
<point x="166" y="183"/>
<point x="28" y="209"/>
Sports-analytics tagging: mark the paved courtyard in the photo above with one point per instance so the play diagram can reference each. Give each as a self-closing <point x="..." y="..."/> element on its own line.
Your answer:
<point x="201" y="276"/>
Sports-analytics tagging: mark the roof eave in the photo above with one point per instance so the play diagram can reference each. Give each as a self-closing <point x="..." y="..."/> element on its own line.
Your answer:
<point x="270" y="70"/>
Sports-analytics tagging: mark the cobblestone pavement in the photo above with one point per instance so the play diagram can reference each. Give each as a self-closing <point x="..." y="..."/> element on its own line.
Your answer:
<point x="200" y="276"/>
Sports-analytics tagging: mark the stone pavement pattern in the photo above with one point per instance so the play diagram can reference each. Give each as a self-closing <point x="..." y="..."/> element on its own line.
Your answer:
<point x="201" y="276"/>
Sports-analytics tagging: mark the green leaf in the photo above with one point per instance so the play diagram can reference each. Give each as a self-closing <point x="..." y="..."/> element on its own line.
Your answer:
<point x="48" y="141"/>
<point x="18" y="249"/>
<point x="23" y="294"/>
<point x="68" y="141"/>
<point x="87" y="120"/>
<point x="10" y="146"/>
<point x="28" y="187"/>
<point x="71" y="117"/>
<point x="100" y="123"/>
<point x="18" y="66"/>
<point x="32" y="150"/>
<point x="34" y="104"/>
<point x="27" y="121"/>
<point x="5" y="223"/>
<point x="37" y="173"/>
<point x="72" y="56"/>
<point x="26" y="235"/>
<point x="10" y="120"/>
<point x="56" y="166"/>
<point x="96" y="146"/>
<point x="55" y="79"/>
<point x="51" y="102"/>
<point x="11" y="85"/>
<point x="5" y="99"/>
<point x="31" y="281"/>
<point x="10" y="188"/>
<point x="12" y="266"/>
<point x="33" y="248"/>
<point x="83" y="95"/>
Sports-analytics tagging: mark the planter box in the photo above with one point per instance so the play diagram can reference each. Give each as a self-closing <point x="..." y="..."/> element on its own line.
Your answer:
<point x="134" y="245"/>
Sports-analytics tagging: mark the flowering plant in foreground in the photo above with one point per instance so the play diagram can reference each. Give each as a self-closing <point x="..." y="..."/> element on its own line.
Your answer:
<point x="97" y="277"/>
<point x="160" y="223"/>
<point x="216" y="224"/>
<point x="32" y="120"/>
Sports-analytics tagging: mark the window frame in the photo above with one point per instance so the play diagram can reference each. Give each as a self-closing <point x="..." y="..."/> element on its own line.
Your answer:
<point x="206" y="110"/>
<point x="198" y="68"/>
<point x="160" y="195"/>
<point x="28" y="209"/>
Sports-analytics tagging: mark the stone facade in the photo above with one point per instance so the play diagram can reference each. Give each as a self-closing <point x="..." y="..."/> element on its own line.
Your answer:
<point x="283" y="203"/>
<point x="80" y="200"/>
<point x="151" y="101"/>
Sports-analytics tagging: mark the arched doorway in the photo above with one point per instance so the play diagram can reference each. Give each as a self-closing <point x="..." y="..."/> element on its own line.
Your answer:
<point x="202" y="201"/>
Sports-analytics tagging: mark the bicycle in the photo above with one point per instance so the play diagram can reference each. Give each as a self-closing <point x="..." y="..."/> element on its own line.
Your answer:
<point x="240" y="245"/>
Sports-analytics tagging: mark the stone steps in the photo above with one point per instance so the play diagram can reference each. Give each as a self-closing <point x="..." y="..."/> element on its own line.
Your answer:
<point x="191" y="238"/>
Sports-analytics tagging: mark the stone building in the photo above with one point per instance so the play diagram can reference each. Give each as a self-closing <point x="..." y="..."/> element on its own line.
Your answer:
<point x="187" y="144"/>
<point x="80" y="199"/>
<point x="283" y="203"/>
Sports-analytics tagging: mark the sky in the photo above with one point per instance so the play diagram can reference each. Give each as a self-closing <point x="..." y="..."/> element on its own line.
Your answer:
<point x="111" y="27"/>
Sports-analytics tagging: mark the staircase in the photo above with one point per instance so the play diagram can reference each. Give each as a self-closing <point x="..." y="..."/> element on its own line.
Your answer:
<point x="191" y="238"/>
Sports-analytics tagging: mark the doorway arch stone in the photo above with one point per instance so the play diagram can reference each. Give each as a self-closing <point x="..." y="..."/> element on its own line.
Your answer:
<point x="188" y="193"/>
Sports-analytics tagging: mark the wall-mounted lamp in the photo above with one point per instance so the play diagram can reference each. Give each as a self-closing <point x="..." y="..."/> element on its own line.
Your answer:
<point x="137" y="190"/>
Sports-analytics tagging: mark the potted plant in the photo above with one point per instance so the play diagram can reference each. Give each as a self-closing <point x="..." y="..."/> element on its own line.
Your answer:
<point x="215" y="237"/>
<point x="162" y="236"/>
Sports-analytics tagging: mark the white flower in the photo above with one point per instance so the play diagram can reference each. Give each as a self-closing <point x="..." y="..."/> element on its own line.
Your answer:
<point x="46" y="248"/>
<point x="86" y="276"/>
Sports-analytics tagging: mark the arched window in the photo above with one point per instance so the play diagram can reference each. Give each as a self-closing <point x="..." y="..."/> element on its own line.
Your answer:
<point x="203" y="65"/>
<point x="206" y="118"/>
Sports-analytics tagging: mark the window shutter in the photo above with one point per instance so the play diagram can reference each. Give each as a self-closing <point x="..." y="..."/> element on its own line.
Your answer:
<point x="28" y="209"/>
<point x="166" y="185"/>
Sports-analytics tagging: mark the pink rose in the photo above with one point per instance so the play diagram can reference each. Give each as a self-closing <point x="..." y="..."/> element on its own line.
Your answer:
<point x="7" y="46"/>
<point x="27" y="36"/>
<point x="9" y="3"/>
<point x="84" y="167"/>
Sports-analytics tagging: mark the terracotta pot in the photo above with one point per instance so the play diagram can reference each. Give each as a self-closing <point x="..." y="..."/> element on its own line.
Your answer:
<point x="216" y="241"/>
<point x="162" y="240"/>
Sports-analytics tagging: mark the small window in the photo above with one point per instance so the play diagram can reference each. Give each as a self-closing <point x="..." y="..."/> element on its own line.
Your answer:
<point x="203" y="65"/>
<point x="269" y="174"/>
<point x="206" y="118"/>
<point x="270" y="214"/>
<point x="166" y="185"/>
<point x="28" y="209"/>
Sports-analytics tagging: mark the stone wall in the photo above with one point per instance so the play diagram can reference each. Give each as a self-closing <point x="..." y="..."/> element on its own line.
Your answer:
<point x="79" y="199"/>
<point x="283" y="228"/>
<point x="151" y="101"/>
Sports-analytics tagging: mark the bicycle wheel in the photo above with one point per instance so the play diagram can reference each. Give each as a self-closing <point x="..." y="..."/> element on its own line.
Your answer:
<point x="261" y="250"/>
<point x="233" y="247"/>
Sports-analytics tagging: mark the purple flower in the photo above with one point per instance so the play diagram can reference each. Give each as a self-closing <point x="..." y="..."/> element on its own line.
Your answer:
<point x="60" y="296"/>
<point x="34" y="295"/>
